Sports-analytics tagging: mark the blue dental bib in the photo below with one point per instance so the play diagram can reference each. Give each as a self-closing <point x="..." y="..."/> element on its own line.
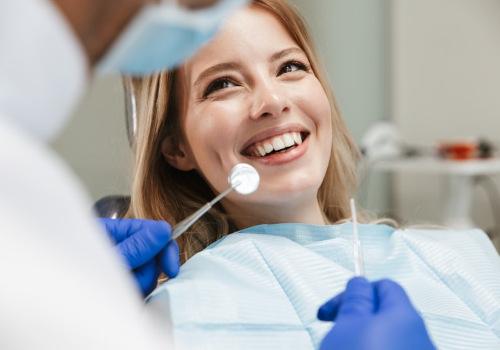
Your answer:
<point x="260" y="288"/>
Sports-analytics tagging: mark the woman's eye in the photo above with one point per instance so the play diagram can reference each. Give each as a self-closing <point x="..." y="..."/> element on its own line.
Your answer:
<point x="219" y="84"/>
<point x="292" y="66"/>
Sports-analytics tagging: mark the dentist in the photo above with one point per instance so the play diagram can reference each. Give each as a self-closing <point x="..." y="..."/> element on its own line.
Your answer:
<point x="61" y="287"/>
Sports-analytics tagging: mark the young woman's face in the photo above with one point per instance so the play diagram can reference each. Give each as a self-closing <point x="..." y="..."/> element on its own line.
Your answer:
<point x="252" y="97"/>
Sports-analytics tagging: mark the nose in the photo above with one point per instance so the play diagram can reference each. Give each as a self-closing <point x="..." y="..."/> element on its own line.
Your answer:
<point x="268" y="101"/>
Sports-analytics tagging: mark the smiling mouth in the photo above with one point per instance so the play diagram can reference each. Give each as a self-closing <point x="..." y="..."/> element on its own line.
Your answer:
<point x="277" y="144"/>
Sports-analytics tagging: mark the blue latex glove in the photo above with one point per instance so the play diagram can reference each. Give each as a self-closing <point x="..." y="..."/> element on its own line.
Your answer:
<point x="146" y="247"/>
<point x="375" y="316"/>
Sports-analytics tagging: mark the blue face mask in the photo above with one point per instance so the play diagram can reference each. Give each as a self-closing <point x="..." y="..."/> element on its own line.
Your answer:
<point x="163" y="36"/>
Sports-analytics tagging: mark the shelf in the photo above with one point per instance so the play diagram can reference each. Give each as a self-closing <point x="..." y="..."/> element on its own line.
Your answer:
<point x="441" y="166"/>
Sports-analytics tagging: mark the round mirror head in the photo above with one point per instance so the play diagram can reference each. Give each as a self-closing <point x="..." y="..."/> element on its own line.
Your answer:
<point x="244" y="178"/>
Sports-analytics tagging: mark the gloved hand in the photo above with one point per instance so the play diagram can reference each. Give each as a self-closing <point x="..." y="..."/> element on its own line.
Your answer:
<point x="375" y="316"/>
<point x="146" y="247"/>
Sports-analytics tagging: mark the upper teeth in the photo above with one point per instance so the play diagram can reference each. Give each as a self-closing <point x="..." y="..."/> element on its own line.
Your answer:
<point x="276" y="143"/>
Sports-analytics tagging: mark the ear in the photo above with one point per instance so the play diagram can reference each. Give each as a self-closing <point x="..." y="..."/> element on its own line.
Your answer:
<point x="177" y="155"/>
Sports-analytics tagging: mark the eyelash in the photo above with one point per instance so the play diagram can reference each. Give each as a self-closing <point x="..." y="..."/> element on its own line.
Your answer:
<point x="216" y="84"/>
<point x="300" y="66"/>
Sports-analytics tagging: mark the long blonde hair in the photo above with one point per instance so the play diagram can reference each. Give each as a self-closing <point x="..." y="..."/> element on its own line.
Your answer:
<point x="161" y="192"/>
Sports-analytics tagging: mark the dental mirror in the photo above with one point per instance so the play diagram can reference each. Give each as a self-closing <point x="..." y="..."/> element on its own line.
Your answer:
<point x="243" y="178"/>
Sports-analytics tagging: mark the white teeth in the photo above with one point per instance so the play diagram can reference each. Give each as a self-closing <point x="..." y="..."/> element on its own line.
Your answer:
<point x="261" y="150"/>
<point x="268" y="147"/>
<point x="278" y="144"/>
<point x="297" y="137"/>
<point x="288" y="140"/>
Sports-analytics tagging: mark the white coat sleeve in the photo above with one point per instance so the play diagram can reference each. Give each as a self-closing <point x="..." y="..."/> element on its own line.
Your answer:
<point x="61" y="284"/>
<point x="62" y="287"/>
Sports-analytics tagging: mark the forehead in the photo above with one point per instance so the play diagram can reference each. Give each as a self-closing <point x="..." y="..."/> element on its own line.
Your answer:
<point x="250" y="35"/>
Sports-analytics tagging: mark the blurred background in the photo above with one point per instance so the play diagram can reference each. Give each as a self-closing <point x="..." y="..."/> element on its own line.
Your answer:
<point x="429" y="67"/>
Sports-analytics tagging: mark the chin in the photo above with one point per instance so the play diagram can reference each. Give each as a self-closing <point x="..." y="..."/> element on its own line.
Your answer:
<point x="285" y="193"/>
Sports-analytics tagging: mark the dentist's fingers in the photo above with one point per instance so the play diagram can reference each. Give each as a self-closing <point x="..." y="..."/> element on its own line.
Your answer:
<point x="168" y="259"/>
<point x="390" y="295"/>
<point x="328" y="311"/>
<point x="119" y="229"/>
<point x="358" y="300"/>
<point x="147" y="276"/>
<point x="144" y="244"/>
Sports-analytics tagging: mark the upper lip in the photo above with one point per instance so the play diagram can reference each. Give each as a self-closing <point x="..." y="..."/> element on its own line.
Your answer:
<point x="269" y="133"/>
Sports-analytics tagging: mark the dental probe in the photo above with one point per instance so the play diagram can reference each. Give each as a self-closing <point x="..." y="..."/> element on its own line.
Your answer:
<point x="359" y="268"/>
<point x="243" y="178"/>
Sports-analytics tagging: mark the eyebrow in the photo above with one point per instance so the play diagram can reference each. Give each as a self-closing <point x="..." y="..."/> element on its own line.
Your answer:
<point x="234" y="66"/>
<point x="284" y="53"/>
<point x="215" y="69"/>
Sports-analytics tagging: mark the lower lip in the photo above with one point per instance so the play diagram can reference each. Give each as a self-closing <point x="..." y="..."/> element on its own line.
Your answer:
<point x="285" y="157"/>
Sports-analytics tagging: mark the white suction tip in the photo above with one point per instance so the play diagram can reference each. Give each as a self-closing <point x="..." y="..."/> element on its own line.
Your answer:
<point x="244" y="178"/>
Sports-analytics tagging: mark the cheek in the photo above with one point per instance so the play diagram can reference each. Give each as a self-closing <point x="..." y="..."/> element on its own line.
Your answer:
<point x="324" y="111"/>
<point x="313" y="101"/>
<point x="212" y="121"/>
<point x="319" y="104"/>
<point x="211" y="131"/>
<point x="316" y="106"/>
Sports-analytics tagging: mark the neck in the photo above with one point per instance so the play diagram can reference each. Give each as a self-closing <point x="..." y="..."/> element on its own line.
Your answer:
<point x="97" y="23"/>
<point x="251" y="214"/>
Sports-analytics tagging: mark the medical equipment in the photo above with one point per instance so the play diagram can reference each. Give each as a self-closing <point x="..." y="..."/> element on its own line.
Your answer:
<point x="243" y="178"/>
<point x="359" y="268"/>
<point x="382" y="141"/>
<point x="163" y="35"/>
<point x="461" y="162"/>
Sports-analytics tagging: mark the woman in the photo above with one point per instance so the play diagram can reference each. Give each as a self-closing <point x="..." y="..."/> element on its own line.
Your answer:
<point x="256" y="95"/>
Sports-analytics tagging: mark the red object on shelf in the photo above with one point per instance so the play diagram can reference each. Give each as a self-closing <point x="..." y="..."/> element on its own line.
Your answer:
<point x="458" y="150"/>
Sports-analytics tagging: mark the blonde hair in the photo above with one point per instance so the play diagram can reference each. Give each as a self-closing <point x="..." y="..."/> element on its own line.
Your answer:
<point x="161" y="192"/>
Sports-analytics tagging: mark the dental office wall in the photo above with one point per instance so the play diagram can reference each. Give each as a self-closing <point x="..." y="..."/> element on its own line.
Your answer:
<point x="445" y="58"/>
<point x="94" y="143"/>
<point x="351" y="37"/>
